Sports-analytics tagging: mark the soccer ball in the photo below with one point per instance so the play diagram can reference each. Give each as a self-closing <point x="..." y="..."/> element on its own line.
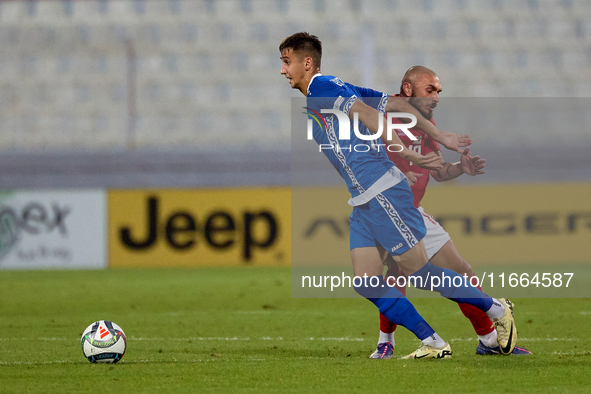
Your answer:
<point x="103" y="342"/>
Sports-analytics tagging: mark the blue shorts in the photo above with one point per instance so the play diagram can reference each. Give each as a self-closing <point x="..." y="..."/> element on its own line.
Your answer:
<point x="389" y="219"/>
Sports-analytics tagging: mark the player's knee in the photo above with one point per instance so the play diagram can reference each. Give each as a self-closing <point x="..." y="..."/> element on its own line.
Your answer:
<point x="369" y="286"/>
<point x="455" y="261"/>
<point x="462" y="267"/>
<point x="467" y="269"/>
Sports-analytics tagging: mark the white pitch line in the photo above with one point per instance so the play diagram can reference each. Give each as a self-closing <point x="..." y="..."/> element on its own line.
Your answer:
<point x="229" y="339"/>
<point x="570" y="353"/>
<point x="173" y="360"/>
<point x="35" y="339"/>
<point x="189" y="339"/>
<point x="247" y="339"/>
<point x="336" y="339"/>
<point x="521" y="339"/>
<point x="547" y="339"/>
<point x="37" y="362"/>
<point x="201" y="339"/>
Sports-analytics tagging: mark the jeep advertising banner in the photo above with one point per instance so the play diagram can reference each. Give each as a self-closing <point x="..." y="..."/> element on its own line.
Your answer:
<point x="199" y="228"/>
<point x="490" y="225"/>
<point x="53" y="229"/>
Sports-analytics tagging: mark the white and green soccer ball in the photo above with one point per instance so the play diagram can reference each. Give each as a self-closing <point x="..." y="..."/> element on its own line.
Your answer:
<point x="103" y="342"/>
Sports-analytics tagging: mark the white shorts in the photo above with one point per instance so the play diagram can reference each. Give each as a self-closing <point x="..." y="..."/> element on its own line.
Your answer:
<point x="436" y="236"/>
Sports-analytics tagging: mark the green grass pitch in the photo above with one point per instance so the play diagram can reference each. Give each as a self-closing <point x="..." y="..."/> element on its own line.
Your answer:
<point x="239" y="330"/>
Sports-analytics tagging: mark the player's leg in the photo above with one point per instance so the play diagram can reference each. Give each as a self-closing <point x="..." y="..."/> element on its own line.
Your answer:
<point x="367" y="221"/>
<point x="453" y="286"/>
<point x="449" y="257"/>
<point x="386" y="342"/>
<point x="367" y="265"/>
<point x="445" y="256"/>
<point x="400" y="228"/>
<point x="396" y="208"/>
<point x="443" y="253"/>
<point x="390" y="302"/>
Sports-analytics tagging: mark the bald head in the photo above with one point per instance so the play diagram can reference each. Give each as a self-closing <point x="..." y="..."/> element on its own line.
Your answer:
<point x="414" y="72"/>
<point x="423" y="86"/>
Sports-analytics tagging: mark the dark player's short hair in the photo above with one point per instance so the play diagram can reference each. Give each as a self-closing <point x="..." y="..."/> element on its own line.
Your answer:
<point x="306" y="43"/>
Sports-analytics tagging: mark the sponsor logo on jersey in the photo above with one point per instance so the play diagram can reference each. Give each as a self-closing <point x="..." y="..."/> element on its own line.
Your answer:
<point x="395" y="248"/>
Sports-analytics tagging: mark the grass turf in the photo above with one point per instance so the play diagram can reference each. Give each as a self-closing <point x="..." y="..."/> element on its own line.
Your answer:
<point x="238" y="330"/>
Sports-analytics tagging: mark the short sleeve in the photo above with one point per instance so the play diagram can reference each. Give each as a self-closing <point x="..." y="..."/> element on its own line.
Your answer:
<point x="373" y="98"/>
<point x="331" y="93"/>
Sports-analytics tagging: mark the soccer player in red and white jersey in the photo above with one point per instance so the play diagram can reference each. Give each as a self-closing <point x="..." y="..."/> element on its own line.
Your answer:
<point x="423" y="86"/>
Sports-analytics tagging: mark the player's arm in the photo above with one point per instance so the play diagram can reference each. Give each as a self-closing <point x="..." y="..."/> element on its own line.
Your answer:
<point x="450" y="140"/>
<point x="467" y="165"/>
<point x="371" y="118"/>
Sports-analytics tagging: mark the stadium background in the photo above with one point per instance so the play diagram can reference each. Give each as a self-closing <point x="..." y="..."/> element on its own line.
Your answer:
<point x="181" y="101"/>
<point x="166" y="124"/>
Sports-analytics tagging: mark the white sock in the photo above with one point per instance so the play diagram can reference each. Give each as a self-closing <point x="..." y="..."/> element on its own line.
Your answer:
<point x="434" y="340"/>
<point x="489" y="340"/>
<point x="496" y="310"/>
<point x="386" y="337"/>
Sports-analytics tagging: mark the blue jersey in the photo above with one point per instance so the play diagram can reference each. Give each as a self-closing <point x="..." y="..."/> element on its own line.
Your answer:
<point x="360" y="162"/>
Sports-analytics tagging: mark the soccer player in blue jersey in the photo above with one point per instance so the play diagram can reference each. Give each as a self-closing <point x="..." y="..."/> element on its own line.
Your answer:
<point x="383" y="212"/>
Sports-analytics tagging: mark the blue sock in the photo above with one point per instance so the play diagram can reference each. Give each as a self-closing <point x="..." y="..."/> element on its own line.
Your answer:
<point x="395" y="306"/>
<point x="450" y="285"/>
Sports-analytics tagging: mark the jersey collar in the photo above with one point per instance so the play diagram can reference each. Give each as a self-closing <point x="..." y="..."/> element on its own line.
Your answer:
<point x="315" y="75"/>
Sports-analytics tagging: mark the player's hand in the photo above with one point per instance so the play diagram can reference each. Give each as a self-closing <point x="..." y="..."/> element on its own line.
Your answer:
<point x="454" y="141"/>
<point x="412" y="177"/>
<point x="471" y="165"/>
<point x="430" y="161"/>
